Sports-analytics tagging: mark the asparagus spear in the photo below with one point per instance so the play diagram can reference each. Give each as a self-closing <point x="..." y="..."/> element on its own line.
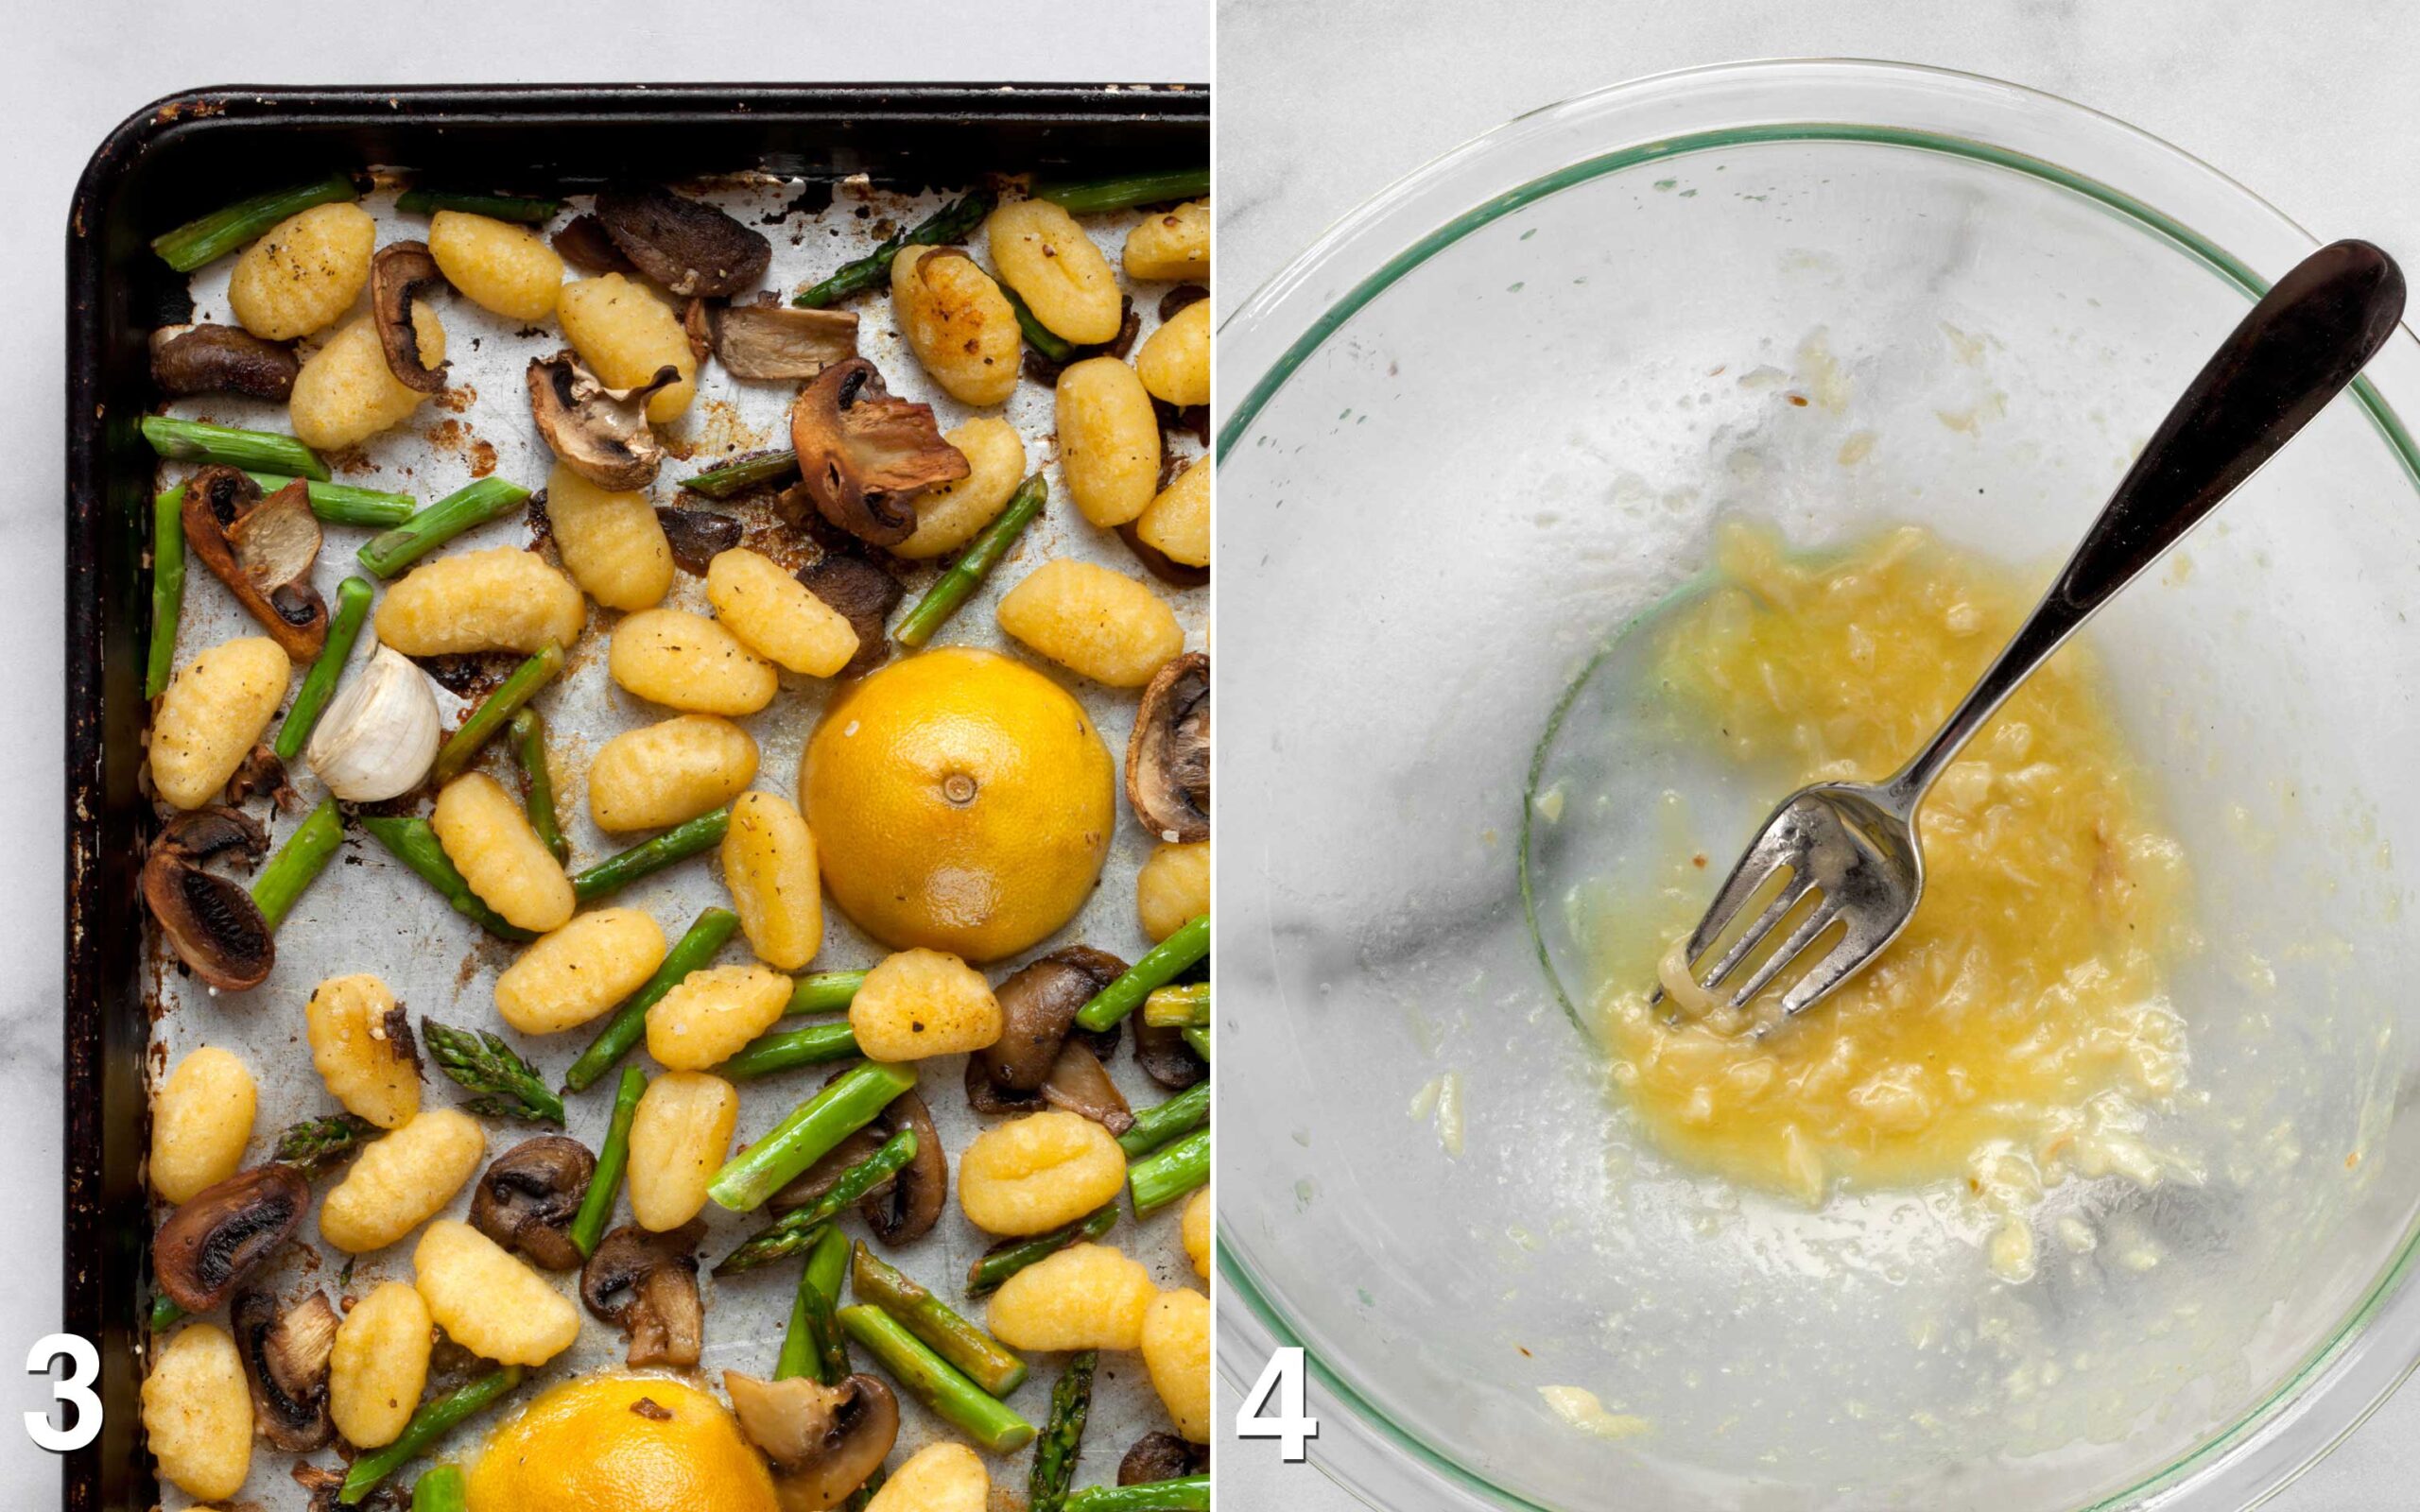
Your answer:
<point x="1162" y="1121"/>
<point x="439" y="1490"/>
<point x="508" y="1086"/>
<point x="315" y="1144"/>
<point x="1159" y="965"/>
<point x="414" y="843"/>
<point x="210" y="237"/>
<point x="193" y="440"/>
<point x="432" y="1422"/>
<point x="301" y="859"/>
<point x="793" y="1232"/>
<point x="1126" y="192"/>
<point x="1063" y="1436"/>
<point x="1005" y="1259"/>
<point x="824" y="991"/>
<point x="495" y="711"/>
<point x="953" y="222"/>
<point x="460" y="510"/>
<point x="1037" y="336"/>
<point x="527" y="211"/>
<point x="808" y="1134"/>
<point x="813" y="1345"/>
<point x="787" y="1049"/>
<point x="935" y="1382"/>
<point x="167" y="588"/>
<point x="1159" y="1180"/>
<point x="340" y="503"/>
<point x="739" y="476"/>
<point x="1190" y="1493"/>
<point x="981" y="1358"/>
<point x="1198" y="1035"/>
<point x="165" y="1313"/>
<point x="529" y="750"/>
<point x="628" y="1023"/>
<point x="619" y="870"/>
<point x="605" y="1183"/>
<point x="957" y="585"/>
<point x="319" y="683"/>
<point x="1181" y="1006"/>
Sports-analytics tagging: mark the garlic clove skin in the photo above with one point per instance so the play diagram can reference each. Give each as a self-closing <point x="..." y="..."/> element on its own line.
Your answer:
<point x="379" y="737"/>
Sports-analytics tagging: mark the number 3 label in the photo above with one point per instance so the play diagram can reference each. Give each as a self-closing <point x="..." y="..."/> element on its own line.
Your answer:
<point x="1280" y="1383"/>
<point x="77" y="1391"/>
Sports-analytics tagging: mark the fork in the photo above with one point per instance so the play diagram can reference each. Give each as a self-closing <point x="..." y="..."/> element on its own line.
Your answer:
<point x="1851" y="848"/>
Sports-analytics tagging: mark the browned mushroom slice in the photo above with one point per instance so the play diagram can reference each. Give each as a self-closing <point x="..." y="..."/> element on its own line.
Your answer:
<point x="824" y="1442"/>
<point x="584" y="244"/>
<point x="400" y="275"/>
<point x="812" y="1183"/>
<point x="1160" y="1456"/>
<point x="864" y="594"/>
<point x="600" y="432"/>
<point x="529" y="1197"/>
<point x="1077" y="1083"/>
<point x="213" y="924"/>
<point x="1167" y="758"/>
<point x="1181" y="296"/>
<point x="1038" y="1006"/>
<point x="913" y="1204"/>
<point x="1166" y="1058"/>
<point x="212" y="1244"/>
<point x="646" y="1284"/>
<point x="1161" y="565"/>
<point x="687" y="247"/>
<point x="209" y="359"/>
<point x="263" y="550"/>
<point x="697" y="536"/>
<point x="862" y="455"/>
<point x="285" y="1362"/>
<point x="775" y="342"/>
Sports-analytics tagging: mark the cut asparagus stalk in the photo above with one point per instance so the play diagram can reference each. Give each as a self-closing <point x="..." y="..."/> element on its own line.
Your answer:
<point x="935" y="1382"/>
<point x="529" y="750"/>
<point x="739" y="476"/>
<point x="207" y="238"/>
<point x="794" y="1230"/>
<point x="817" y="1044"/>
<point x="495" y="711"/>
<point x="1037" y="336"/>
<point x="506" y="1085"/>
<point x="528" y="211"/>
<point x="340" y="503"/>
<point x="316" y="1144"/>
<point x="1159" y="965"/>
<point x="193" y="440"/>
<point x="165" y="1313"/>
<point x="808" y="1134"/>
<point x="824" y="991"/>
<point x="605" y="1183"/>
<point x="1189" y="1493"/>
<point x="1199" y="1038"/>
<point x="167" y="588"/>
<point x="980" y="1357"/>
<point x="953" y="222"/>
<point x="1063" y="1436"/>
<point x="813" y="1344"/>
<point x="414" y="842"/>
<point x="463" y="510"/>
<point x="319" y="683"/>
<point x="628" y="1023"/>
<point x="1159" y="1180"/>
<point x="1162" y="1121"/>
<point x="431" y="1423"/>
<point x="681" y="841"/>
<point x="440" y="1491"/>
<point x="1094" y="195"/>
<point x="965" y="575"/>
<point x="1005" y="1259"/>
<point x="301" y="859"/>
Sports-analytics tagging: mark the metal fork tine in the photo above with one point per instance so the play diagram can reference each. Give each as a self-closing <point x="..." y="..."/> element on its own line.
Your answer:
<point x="1769" y="851"/>
<point x="1792" y="891"/>
<point x="1826" y="910"/>
<point x="1843" y="958"/>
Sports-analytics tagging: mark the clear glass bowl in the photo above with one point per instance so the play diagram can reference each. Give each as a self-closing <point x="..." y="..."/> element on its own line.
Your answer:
<point x="1489" y="421"/>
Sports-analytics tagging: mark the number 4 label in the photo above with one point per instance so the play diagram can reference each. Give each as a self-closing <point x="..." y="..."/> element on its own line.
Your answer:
<point x="1280" y="1385"/>
<point x="76" y="1391"/>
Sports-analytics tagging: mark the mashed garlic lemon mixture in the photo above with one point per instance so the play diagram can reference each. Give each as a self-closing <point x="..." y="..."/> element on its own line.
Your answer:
<point x="2019" y="1032"/>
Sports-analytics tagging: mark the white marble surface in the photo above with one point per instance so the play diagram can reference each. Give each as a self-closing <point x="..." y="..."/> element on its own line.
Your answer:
<point x="80" y="66"/>
<point x="1323" y="102"/>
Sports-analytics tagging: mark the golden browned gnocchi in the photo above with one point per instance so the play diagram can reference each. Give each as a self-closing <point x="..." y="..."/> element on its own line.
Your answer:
<point x="496" y="264"/>
<point x="487" y="834"/>
<point x="773" y="614"/>
<point x="1176" y="524"/>
<point x="346" y="394"/>
<point x="1086" y="1296"/>
<point x="362" y="1044"/>
<point x="197" y="1414"/>
<point x="1196" y="1232"/>
<point x="669" y="772"/>
<point x="487" y="1301"/>
<point x="580" y="971"/>
<point x="1172" y="887"/>
<point x="957" y="323"/>
<point x="200" y="1122"/>
<point x="768" y="864"/>
<point x="1174" y="364"/>
<point x="402" y="1180"/>
<point x="611" y="544"/>
<point x="950" y="516"/>
<point x="687" y="662"/>
<point x="1172" y="246"/>
<point x="305" y="272"/>
<point x="1176" y="1350"/>
<point x="1095" y="621"/>
<point x="937" y="1478"/>
<point x="678" y="1140"/>
<point x="923" y="1003"/>
<point x="709" y="1015"/>
<point x="379" y="1365"/>
<point x="211" y="715"/>
<point x="1031" y="1175"/>
<point x="1109" y="441"/>
<point x="503" y="600"/>
<point x="625" y="334"/>
<point x="1043" y="255"/>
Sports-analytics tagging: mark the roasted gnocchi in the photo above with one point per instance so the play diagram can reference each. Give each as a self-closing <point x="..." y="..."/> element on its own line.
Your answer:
<point x="503" y="600"/>
<point x="303" y="273"/>
<point x="1086" y="1296"/>
<point x="768" y="864"/>
<point x="1196" y="1232"/>
<point x="937" y="1478"/>
<point x="580" y="971"/>
<point x="687" y="662"/>
<point x="611" y="544"/>
<point x="1063" y="279"/>
<point x="625" y="334"/>
<point x="923" y="1003"/>
<point x="957" y="323"/>
<point x="669" y="772"/>
<point x="1092" y="620"/>
<point x="709" y="1015"/>
<point x="488" y="1301"/>
<point x="361" y="1042"/>
<point x="1174" y="362"/>
<point x="1032" y="1174"/>
<point x="201" y="1119"/>
<point x="1176" y="524"/>
<point x="346" y="394"/>
<point x="487" y="834"/>
<point x="955" y="513"/>
<point x="1176" y="1350"/>
<point x="496" y="264"/>
<point x="402" y="1180"/>
<point x="213" y="714"/>
<point x="197" y="1414"/>
<point x="1171" y="246"/>
<point x="1109" y="441"/>
<point x="1172" y="887"/>
<point x="379" y="1365"/>
<point x="678" y="1140"/>
<point x="773" y="614"/>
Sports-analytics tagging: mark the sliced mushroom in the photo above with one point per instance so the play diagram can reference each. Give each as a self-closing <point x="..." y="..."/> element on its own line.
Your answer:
<point x="1078" y="1083"/>
<point x="285" y="1363"/>
<point x="864" y="594"/>
<point x="380" y="736"/>
<point x="913" y="1204"/>
<point x="530" y="1195"/>
<point x="584" y="244"/>
<point x="399" y="276"/>
<point x="210" y="359"/>
<point x="862" y="454"/>
<point x="812" y="1183"/>
<point x="1160" y="1456"/>
<point x="212" y="924"/>
<point x="260" y="772"/>
<point x="1181" y="296"/>
<point x="212" y="1244"/>
<point x="1037" y="1008"/>
<point x="1159" y="563"/>
<point x="600" y="432"/>
<point x="687" y="247"/>
<point x="1166" y="1058"/>
<point x="1167" y="758"/>
<point x="697" y="536"/>
<point x="263" y="550"/>
<point x="772" y="341"/>
<point x="824" y="1442"/>
<point x="646" y="1284"/>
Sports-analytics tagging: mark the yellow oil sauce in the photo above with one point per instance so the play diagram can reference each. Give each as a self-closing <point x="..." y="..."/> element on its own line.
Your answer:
<point x="2019" y="1029"/>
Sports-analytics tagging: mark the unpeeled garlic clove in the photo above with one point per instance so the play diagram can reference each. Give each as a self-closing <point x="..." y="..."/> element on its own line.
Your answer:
<point x="379" y="738"/>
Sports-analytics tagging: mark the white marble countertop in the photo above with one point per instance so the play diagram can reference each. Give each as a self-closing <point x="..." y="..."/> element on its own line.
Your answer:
<point x="1323" y="104"/>
<point x="83" y="65"/>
